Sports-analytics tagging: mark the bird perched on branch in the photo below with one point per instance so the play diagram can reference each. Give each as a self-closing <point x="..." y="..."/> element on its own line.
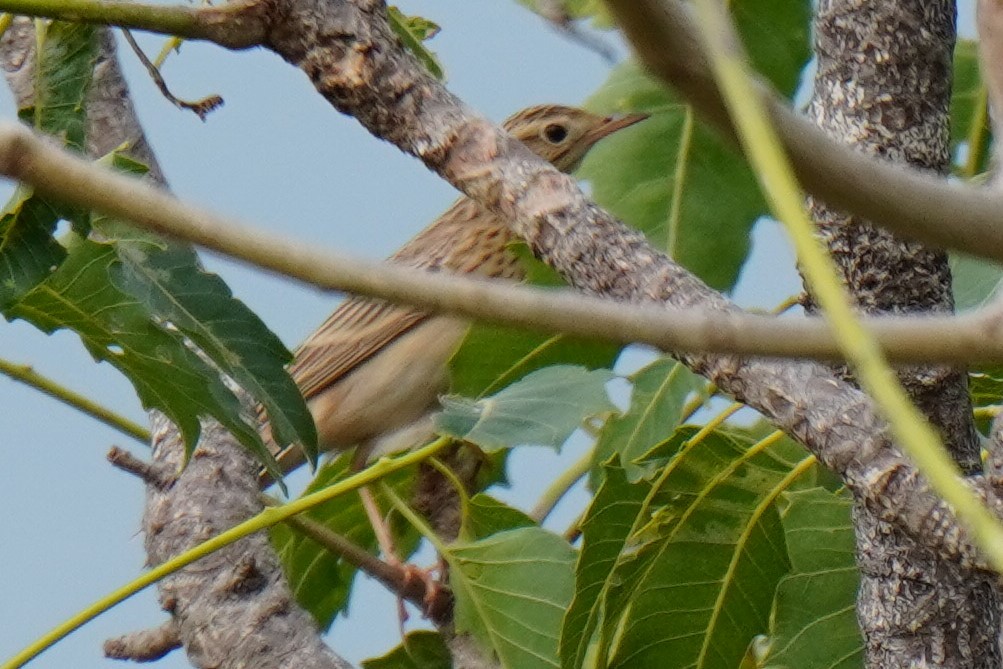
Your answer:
<point x="372" y="373"/>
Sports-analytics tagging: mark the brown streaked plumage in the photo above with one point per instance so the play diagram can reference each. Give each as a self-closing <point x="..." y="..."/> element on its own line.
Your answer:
<point x="372" y="372"/>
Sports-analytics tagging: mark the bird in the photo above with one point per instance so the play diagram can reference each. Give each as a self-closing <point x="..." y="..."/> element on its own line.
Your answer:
<point x="373" y="372"/>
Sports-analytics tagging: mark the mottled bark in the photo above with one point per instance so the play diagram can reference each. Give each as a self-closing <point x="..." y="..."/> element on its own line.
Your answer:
<point x="234" y="608"/>
<point x="351" y="55"/>
<point x="883" y="86"/>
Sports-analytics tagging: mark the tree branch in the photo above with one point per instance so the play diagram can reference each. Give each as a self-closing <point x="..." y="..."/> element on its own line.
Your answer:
<point x="351" y="54"/>
<point x="235" y="606"/>
<point x="906" y="201"/>
<point x="974" y="337"/>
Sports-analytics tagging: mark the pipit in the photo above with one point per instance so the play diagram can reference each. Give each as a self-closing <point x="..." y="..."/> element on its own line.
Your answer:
<point x="373" y="371"/>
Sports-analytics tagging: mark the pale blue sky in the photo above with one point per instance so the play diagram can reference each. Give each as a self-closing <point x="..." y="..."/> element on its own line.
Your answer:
<point x="276" y="156"/>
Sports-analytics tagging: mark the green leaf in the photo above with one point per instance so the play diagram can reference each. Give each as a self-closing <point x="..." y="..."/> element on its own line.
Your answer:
<point x="975" y="281"/>
<point x="543" y="409"/>
<point x="65" y="58"/>
<point x="321" y="580"/>
<point x="605" y="529"/>
<point x="116" y="328"/>
<point x="814" y="621"/>
<point x="490" y="516"/>
<point x="67" y="53"/>
<point x="968" y="104"/>
<point x="578" y="9"/>
<point x="703" y="561"/>
<point x="985" y="385"/>
<point x="169" y="281"/>
<point x="28" y="252"/>
<point x="492" y="357"/>
<point x="512" y="590"/>
<point x="413" y="31"/>
<point x="778" y="46"/>
<point x="674" y="179"/>
<point x="659" y="393"/>
<point x="420" y="650"/>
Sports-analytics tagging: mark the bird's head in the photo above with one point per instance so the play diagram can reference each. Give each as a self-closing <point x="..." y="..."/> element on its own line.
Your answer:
<point x="563" y="135"/>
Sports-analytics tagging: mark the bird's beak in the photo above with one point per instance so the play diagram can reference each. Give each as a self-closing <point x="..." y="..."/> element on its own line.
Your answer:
<point x="611" y="124"/>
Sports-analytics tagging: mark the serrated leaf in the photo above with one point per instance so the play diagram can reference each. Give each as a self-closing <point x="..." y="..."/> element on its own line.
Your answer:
<point x="703" y="561"/>
<point x="28" y="252"/>
<point x="413" y="31"/>
<point x="116" y="328"/>
<point x="605" y="529"/>
<point x="659" y="393"/>
<point x="420" y="650"/>
<point x="321" y="580"/>
<point x="511" y="591"/>
<point x="814" y="620"/>
<point x="542" y="409"/>
<point x="67" y="53"/>
<point x="169" y="281"/>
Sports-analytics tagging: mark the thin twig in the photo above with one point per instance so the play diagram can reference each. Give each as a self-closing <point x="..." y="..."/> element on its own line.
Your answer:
<point x="28" y="376"/>
<point x="202" y="108"/>
<point x="396" y="578"/>
<point x="149" y="473"/>
<point x="146" y="645"/>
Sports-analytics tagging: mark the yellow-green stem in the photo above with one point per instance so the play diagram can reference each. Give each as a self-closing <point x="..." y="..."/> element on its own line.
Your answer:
<point x="909" y="427"/>
<point x="556" y="491"/>
<point x="978" y="134"/>
<point x="263" y="520"/>
<point x="413" y="518"/>
<point x="28" y="376"/>
<point x="6" y="19"/>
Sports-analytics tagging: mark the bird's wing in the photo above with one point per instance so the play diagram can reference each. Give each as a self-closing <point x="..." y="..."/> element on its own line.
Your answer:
<point x="351" y="335"/>
<point x="464" y="240"/>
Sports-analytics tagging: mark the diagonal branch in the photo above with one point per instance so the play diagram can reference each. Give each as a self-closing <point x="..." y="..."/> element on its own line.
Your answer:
<point x="906" y="201"/>
<point x="693" y="329"/>
<point x="353" y="58"/>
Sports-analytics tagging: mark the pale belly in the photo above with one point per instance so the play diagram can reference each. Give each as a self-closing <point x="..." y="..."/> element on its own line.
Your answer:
<point x="392" y="390"/>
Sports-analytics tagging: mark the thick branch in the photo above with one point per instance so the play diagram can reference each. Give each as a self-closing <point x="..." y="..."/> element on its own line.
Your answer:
<point x="969" y="338"/>
<point x="235" y="605"/>
<point x="891" y="100"/>
<point x="906" y="201"/>
<point x="355" y="61"/>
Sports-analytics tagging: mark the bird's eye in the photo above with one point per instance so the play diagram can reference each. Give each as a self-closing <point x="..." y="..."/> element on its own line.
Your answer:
<point x="555" y="133"/>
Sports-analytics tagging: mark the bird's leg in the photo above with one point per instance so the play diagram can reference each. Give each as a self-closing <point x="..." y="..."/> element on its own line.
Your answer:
<point x="386" y="543"/>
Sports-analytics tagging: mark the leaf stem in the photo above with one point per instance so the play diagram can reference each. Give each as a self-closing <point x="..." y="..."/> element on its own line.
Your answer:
<point x="261" y="521"/>
<point x="28" y="376"/>
<point x="909" y="427"/>
<point x="423" y="528"/>
<point x="560" y="487"/>
<point x="978" y="134"/>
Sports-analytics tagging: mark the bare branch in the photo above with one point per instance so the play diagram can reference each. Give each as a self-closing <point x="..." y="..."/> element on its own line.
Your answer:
<point x="906" y="201"/>
<point x="146" y="645"/>
<point x="974" y="337"/>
